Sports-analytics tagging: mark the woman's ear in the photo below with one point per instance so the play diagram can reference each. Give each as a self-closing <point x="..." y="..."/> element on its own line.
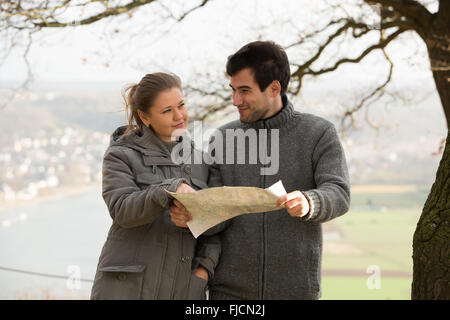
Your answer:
<point x="144" y="117"/>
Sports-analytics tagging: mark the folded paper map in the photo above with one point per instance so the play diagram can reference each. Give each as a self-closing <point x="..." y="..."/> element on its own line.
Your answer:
<point x="209" y="207"/>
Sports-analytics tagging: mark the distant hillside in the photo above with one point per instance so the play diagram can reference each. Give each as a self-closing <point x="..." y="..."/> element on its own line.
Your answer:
<point x="24" y="116"/>
<point x="400" y="153"/>
<point x="89" y="112"/>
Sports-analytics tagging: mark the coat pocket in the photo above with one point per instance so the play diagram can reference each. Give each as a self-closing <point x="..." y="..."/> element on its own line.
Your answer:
<point x="148" y="179"/>
<point x="120" y="282"/>
<point x="197" y="288"/>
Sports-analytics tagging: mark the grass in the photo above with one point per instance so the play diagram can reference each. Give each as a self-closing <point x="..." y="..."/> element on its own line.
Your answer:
<point x="383" y="239"/>
<point x="355" y="288"/>
<point x="377" y="188"/>
<point x="386" y="200"/>
<point x="369" y="237"/>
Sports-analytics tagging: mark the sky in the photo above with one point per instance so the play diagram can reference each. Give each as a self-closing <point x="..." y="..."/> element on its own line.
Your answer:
<point x="119" y="50"/>
<point x="123" y="49"/>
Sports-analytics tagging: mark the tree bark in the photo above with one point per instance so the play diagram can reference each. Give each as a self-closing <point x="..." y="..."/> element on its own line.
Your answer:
<point x="431" y="252"/>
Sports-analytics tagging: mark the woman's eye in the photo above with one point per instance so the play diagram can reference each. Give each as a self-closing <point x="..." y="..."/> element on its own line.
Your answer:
<point x="167" y="110"/>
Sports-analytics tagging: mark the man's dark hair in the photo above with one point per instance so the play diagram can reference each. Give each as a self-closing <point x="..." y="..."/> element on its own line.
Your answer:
<point x="266" y="59"/>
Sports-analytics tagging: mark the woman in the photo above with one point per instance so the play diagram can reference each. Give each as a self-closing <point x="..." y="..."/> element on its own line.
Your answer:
<point x="145" y="255"/>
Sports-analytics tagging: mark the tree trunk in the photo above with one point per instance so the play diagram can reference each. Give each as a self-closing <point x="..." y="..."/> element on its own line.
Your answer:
<point x="431" y="252"/>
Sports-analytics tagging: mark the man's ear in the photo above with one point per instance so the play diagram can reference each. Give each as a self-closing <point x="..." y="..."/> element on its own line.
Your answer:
<point x="275" y="88"/>
<point x="144" y="117"/>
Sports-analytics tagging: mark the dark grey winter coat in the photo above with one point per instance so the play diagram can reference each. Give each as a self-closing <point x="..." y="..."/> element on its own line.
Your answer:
<point x="145" y="255"/>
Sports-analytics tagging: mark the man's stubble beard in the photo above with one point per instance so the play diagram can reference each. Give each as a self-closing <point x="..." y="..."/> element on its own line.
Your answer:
<point x="255" y="114"/>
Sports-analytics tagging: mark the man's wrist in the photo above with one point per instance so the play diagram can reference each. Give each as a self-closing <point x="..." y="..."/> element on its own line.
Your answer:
<point x="308" y="215"/>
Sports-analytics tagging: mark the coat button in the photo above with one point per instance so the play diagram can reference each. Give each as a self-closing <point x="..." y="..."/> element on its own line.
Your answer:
<point x="185" y="259"/>
<point x="122" y="276"/>
<point x="188" y="169"/>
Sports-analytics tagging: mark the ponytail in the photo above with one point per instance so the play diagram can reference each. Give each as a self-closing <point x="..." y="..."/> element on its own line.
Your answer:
<point x="131" y="108"/>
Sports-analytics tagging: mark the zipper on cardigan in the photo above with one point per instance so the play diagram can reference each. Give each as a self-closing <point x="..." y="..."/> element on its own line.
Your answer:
<point x="264" y="225"/>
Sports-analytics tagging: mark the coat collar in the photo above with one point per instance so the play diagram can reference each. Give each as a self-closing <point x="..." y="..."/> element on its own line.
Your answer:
<point x="145" y="141"/>
<point x="150" y="141"/>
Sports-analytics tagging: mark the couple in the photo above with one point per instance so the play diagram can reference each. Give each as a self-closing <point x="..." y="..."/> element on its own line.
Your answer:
<point x="151" y="254"/>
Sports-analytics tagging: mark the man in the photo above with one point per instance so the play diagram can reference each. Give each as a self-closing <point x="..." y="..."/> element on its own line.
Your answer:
<point x="276" y="255"/>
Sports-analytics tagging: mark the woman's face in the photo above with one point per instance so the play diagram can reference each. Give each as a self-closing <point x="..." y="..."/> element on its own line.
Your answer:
<point x="168" y="115"/>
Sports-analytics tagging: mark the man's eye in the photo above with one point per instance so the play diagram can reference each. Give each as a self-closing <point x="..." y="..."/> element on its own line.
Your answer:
<point x="167" y="110"/>
<point x="181" y="105"/>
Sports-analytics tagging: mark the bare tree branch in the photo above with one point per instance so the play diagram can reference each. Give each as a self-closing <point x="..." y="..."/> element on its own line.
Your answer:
<point x="381" y="45"/>
<point x="27" y="17"/>
<point x="305" y="68"/>
<point x="375" y="95"/>
<point x="46" y="15"/>
<point x="29" y="76"/>
<point x="211" y="102"/>
<point x="410" y="9"/>
<point x="204" y="2"/>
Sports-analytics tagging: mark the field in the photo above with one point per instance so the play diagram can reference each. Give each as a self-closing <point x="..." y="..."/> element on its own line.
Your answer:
<point x="368" y="252"/>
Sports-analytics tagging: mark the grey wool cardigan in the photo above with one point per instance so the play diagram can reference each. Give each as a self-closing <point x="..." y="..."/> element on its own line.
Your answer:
<point x="272" y="255"/>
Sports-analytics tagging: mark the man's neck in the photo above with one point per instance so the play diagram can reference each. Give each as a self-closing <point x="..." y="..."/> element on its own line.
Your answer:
<point x="276" y="109"/>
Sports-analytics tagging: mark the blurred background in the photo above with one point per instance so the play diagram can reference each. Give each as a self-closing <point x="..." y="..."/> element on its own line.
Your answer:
<point x="61" y="99"/>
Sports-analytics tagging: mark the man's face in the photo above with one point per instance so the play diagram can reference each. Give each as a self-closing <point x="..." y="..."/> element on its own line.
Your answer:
<point x="253" y="104"/>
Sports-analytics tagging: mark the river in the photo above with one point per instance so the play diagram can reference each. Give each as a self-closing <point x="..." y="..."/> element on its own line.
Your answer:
<point x="61" y="237"/>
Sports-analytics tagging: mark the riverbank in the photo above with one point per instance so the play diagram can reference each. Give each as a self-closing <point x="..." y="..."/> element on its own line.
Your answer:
<point x="49" y="195"/>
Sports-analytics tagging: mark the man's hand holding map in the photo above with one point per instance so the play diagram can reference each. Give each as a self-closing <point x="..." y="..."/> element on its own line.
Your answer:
<point x="209" y="207"/>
